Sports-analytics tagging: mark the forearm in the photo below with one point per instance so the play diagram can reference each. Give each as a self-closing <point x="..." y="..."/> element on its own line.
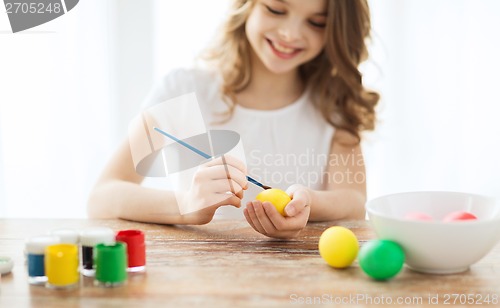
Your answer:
<point x="337" y="204"/>
<point x="131" y="201"/>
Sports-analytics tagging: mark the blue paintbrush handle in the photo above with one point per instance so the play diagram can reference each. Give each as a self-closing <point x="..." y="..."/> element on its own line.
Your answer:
<point x="187" y="145"/>
<point x="201" y="153"/>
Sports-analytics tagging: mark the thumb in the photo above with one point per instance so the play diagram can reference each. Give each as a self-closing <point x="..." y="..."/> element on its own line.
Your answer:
<point x="300" y="199"/>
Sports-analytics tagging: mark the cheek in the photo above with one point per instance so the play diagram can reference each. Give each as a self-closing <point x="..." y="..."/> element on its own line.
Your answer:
<point x="251" y="36"/>
<point x="258" y="23"/>
<point x="317" y="42"/>
<point x="253" y="23"/>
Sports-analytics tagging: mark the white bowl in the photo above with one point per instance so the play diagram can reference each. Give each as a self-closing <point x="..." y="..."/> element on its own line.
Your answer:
<point x="434" y="246"/>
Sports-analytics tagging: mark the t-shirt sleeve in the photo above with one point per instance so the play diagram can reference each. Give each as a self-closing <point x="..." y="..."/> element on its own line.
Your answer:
<point x="176" y="83"/>
<point x="169" y="105"/>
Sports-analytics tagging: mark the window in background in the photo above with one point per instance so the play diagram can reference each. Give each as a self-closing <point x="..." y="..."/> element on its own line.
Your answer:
<point x="70" y="87"/>
<point x="438" y="125"/>
<point x="183" y="29"/>
<point x="2" y="182"/>
<point x="55" y="112"/>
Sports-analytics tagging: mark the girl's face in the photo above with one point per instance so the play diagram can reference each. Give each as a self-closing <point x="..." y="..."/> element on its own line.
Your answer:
<point x="285" y="34"/>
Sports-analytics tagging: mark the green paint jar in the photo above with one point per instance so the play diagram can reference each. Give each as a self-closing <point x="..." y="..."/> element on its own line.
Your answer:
<point x="110" y="264"/>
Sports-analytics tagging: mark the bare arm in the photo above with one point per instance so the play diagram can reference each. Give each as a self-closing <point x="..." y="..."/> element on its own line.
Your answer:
<point x="345" y="194"/>
<point x="118" y="193"/>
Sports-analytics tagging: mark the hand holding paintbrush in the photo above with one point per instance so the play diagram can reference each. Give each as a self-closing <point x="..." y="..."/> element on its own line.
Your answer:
<point x="205" y="155"/>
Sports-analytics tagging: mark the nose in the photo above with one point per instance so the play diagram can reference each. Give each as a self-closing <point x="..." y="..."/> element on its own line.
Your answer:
<point x="290" y="30"/>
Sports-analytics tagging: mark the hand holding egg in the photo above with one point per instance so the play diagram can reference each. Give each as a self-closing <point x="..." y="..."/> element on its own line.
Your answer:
<point x="276" y="197"/>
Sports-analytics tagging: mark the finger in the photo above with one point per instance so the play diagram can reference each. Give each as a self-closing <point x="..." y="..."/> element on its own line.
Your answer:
<point x="253" y="217"/>
<point x="300" y="220"/>
<point x="300" y="199"/>
<point x="278" y="221"/>
<point x="235" y="174"/>
<point x="228" y="160"/>
<point x="228" y="200"/>
<point x="219" y="172"/>
<point x="238" y="194"/>
<point x="225" y="185"/>
<point x="235" y="162"/>
<point x="281" y="223"/>
<point x="291" y="189"/>
<point x="286" y="227"/>
<point x="226" y="172"/>
<point x="264" y="220"/>
<point x="213" y="199"/>
<point x="250" y="222"/>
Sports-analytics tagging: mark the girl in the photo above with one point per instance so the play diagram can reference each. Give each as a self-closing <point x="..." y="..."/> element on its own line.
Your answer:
<point x="286" y="74"/>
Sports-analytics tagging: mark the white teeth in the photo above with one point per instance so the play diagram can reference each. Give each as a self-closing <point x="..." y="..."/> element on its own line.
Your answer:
<point x="281" y="48"/>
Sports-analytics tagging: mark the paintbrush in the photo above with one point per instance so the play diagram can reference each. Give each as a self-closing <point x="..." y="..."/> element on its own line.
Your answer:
<point x="205" y="155"/>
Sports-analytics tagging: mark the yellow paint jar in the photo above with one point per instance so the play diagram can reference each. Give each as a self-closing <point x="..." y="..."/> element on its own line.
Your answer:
<point x="61" y="266"/>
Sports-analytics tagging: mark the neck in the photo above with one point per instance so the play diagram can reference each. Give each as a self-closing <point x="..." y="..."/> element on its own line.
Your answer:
<point x="268" y="90"/>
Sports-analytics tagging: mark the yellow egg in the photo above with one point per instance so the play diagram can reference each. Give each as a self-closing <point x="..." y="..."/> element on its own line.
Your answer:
<point x="338" y="246"/>
<point x="277" y="197"/>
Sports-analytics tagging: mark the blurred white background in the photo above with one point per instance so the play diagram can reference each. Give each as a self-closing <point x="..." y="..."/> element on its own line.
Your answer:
<point x="68" y="89"/>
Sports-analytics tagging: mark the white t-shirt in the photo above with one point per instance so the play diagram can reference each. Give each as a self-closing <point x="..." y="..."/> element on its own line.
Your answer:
<point x="282" y="147"/>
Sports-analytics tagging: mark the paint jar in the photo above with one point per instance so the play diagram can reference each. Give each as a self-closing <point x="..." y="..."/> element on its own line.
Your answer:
<point x="67" y="236"/>
<point x="6" y="265"/>
<point x="111" y="264"/>
<point x="35" y="255"/>
<point x="89" y="238"/>
<point x="136" y="249"/>
<point x="61" y="266"/>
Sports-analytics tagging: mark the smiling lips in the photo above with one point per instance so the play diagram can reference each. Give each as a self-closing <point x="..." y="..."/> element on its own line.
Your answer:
<point x="282" y="51"/>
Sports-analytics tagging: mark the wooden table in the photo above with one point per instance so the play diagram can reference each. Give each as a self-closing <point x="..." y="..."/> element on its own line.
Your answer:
<point x="227" y="264"/>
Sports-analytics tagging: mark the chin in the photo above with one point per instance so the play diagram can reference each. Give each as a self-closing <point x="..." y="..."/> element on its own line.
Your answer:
<point x="281" y="69"/>
<point x="282" y="72"/>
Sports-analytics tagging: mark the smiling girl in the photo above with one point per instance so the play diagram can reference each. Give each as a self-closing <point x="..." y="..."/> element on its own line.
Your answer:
<point x="285" y="73"/>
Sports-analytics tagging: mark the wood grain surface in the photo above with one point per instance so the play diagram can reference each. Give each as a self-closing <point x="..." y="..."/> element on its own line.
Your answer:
<point x="228" y="264"/>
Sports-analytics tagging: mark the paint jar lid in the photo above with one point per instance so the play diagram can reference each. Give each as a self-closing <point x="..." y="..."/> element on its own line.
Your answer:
<point x="68" y="236"/>
<point x="111" y="263"/>
<point x="37" y="244"/>
<point x="136" y="248"/>
<point x="6" y="265"/>
<point x="97" y="235"/>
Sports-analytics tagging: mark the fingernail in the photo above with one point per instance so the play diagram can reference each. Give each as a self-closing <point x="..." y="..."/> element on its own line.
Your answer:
<point x="290" y="210"/>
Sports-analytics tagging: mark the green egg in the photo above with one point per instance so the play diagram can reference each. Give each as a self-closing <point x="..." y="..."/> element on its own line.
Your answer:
<point x="381" y="259"/>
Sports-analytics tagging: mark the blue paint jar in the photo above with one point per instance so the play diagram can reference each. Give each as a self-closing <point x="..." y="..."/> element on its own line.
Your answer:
<point x="35" y="255"/>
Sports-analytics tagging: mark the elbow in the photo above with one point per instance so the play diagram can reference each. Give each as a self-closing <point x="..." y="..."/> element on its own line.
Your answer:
<point x="93" y="206"/>
<point x="98" y="207"/>
<point x="359" y="214"/>
<point x="358" y="206"/>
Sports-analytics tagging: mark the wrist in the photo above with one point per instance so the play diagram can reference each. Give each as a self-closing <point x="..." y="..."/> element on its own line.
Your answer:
<point x="308" y="193"/>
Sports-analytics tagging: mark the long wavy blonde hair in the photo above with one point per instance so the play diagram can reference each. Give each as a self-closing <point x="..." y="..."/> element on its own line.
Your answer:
<point x="333" y="76"/>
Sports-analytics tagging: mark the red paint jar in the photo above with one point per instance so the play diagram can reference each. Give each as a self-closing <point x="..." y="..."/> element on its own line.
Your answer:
<point x="136" y="249"/>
